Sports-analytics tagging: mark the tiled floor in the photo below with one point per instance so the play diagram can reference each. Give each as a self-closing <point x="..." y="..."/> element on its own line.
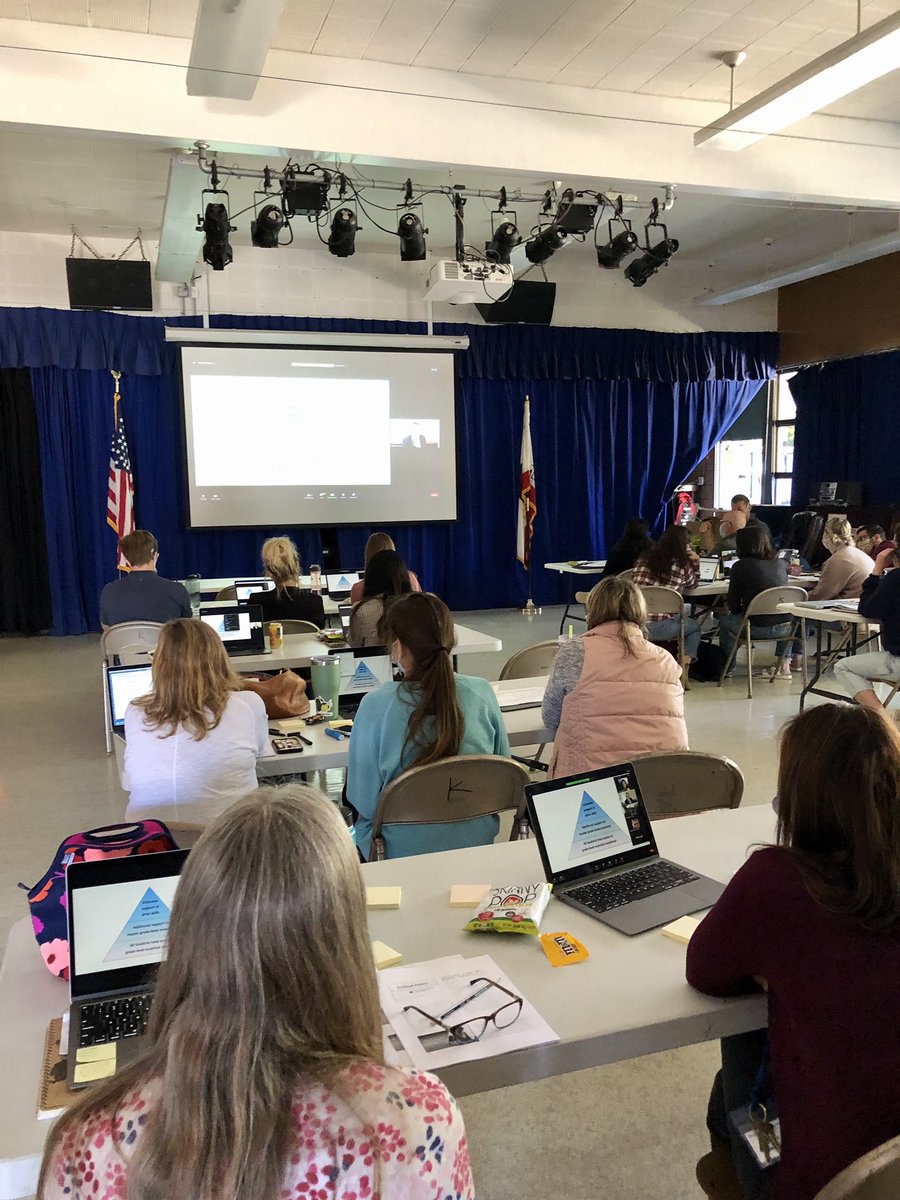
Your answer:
<point x="629" y="1131"/>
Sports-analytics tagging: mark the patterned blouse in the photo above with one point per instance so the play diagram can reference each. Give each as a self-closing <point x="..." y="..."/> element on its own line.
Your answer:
<point x="420" y="1141"/>
<point x="679" y="577"/>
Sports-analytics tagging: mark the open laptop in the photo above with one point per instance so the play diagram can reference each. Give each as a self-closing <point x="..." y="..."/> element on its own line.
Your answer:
<point x="244" y="588"/>
<point x="239" y="625"/>
<point x="125" y="684"/>
<point x="598" y="850"/>
<point x="339" y="584"/>
<point x="118" y="914"/>
<point x="363" y="670"/>
<point x="345" y="612"/>
<point x="709" y="569"/>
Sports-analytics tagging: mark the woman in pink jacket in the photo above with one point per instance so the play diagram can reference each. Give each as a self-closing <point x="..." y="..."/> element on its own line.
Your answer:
<point x="611" y="693"/>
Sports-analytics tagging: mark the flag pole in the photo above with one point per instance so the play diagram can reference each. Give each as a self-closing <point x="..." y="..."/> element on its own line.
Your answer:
<point x="527" y="506"/>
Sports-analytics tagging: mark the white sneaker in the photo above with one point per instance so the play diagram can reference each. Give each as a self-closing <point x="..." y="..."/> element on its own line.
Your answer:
<point x="775" y="673"/>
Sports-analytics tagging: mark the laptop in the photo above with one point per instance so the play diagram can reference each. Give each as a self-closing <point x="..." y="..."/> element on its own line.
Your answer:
<point x="345" y="611"/>
<point x="363" y="670"/>
<point x="339" y="584"/>
<point x="125" y="684"/>
<point x="244" y="588"/>
<point x="709" y="569"/>
<point x="118" y="913"/>
<point x="598" y="850"/>
<point x="239" y="625"/>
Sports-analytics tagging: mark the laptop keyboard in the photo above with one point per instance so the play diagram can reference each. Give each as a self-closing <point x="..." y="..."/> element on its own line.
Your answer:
<point x="111" y="1020"/>
<point x="601" y="895"/>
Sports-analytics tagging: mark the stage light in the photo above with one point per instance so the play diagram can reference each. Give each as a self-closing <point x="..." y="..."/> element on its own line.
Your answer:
<point x="342" y="239"/>
<point x="303" y="197"/>
<point x="504" y="239"/>
<point x="612" y="255"/>
<point x="654" y="257"/>
<point x="268" y="225"/>
<point x="544" y="243"/>
<point x="216" y="228"/>
<point x="412" y="238"/>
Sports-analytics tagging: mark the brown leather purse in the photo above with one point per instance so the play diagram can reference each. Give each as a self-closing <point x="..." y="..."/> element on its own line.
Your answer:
<point x="284" y="695"/>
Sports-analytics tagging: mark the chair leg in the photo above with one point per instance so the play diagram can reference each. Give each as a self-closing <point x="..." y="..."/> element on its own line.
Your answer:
<point x="107" y="716"/>
<point x="749" y="663"/>
<point x="565" y="617"/>
<point x="729" y="660"/>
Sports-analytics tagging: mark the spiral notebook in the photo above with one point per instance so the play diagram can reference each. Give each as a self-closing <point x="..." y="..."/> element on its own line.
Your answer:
<point x="54" y="1096"/>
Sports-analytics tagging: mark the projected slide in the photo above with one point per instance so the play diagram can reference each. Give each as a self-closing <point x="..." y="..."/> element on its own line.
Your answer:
<point x="144" y="932"/>
<point x="296" y="437"/>
<point x="596" y="833"/>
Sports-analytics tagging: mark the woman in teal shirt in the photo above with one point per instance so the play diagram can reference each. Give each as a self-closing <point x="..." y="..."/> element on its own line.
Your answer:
<point x="432" y="714"/>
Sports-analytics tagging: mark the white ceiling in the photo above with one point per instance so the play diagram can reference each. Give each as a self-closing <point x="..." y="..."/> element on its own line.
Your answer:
<point x="657" y="47"/>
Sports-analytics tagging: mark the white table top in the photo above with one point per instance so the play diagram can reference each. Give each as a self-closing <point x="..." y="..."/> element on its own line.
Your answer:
<point x="629" y="998"/>
<point x="811" y="612"/>
<point x="567" y="568"/>
<point x="524" y="727"/>
<point x="298" y="648"/>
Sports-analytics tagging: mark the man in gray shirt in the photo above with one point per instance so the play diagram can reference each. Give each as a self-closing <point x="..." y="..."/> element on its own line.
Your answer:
<point x="142" y="595"/>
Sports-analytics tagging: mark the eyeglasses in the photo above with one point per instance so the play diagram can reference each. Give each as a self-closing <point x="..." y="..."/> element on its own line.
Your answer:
<point x="473" y="1029"/>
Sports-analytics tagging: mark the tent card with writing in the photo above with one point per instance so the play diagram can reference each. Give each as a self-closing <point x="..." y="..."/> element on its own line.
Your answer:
<point x="458" y="994"/>
<point x="516" y="908"/>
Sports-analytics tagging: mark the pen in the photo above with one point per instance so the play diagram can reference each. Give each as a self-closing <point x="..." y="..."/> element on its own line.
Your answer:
<point x="305" y="740"/>
<point x="463" y="1003"/>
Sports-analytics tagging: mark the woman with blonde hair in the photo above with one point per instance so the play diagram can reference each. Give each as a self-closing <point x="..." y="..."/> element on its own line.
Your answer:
<point x="191" y="745"/>
<point x="285" y="602"/>
<point x="264" y="1074"/>
<point x="613" y="694"/>
<point x="432" y="714"/>
<point x="376" y="542"/>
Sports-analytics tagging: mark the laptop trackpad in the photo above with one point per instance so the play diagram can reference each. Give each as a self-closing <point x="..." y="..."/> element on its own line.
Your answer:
<point x="656" y="910"/>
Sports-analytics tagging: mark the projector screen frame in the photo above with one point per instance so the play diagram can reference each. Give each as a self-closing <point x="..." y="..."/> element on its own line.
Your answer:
<point x="371" y="343"/>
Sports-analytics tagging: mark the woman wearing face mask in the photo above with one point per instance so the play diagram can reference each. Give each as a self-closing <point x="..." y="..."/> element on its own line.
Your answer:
<point x="432" y="714"/>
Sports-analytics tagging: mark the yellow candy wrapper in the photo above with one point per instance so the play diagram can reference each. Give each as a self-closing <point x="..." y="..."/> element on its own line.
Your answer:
<point x="563" y="949"/>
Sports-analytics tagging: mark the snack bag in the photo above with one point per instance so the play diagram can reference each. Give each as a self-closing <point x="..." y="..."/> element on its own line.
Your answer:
<point x="515" y="908"/>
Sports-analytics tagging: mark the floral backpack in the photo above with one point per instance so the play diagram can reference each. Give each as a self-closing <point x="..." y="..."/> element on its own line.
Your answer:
<point x="47" y="899"/>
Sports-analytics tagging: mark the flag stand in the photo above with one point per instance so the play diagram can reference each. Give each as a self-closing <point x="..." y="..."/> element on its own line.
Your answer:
<point x="531" y="609"/>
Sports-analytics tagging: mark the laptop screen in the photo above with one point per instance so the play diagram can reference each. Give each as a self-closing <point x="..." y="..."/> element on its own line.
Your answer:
<point x="126" y="684"/>
<point x="238" y="625"/>
<point x="585" y="822"/>
<point x="118" y="912"/>
<point x="244" y="588"/>
<point x="363" y="671"/>
<point x="709" y="569"/>
<point x="346" y="612"/>
<point x="342" y="582"/>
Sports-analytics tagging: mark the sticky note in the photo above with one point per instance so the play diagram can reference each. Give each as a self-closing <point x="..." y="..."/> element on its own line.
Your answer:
<point x="92" y="1054"/>
<point x="89" y="1072"/>
<point x="340" y="723"/>
<point x="680" y="930"/>
<point x="467" y="895"/>
<point x="384" y="955"/>
<point x="563" y="949"/>
<point x="383" y="897"/>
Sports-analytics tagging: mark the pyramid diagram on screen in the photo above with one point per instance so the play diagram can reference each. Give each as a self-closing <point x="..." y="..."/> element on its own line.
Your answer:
<point x="145" y="930"/>
<point x="344" y="582"/>
<point x="595" y="831"/>
<point x="362" y="679"/>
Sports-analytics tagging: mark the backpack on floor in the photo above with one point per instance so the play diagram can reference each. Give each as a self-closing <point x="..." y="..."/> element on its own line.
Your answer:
<point x="709" y="664"/>
<point x="47" y="899"/>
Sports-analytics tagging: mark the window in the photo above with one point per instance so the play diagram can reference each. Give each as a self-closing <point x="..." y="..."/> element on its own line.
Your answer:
<point x="781" y="440"/>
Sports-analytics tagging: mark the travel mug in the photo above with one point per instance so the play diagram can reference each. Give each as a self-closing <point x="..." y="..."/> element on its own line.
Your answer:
<point x="326" y="681"/>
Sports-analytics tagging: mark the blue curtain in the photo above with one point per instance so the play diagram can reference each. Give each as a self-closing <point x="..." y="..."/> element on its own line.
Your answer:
<point x="619" y="418"/>
<point x="847" y="427"/>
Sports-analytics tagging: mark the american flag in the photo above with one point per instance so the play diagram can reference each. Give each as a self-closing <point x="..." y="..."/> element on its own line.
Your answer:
<point x="120" y="492"/>
<point x="527" y="493"/>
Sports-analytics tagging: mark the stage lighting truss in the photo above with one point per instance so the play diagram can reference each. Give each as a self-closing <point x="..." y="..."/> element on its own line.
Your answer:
<point x="641" y="269"/>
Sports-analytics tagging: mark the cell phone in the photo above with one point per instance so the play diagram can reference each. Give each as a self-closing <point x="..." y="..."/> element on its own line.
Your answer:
<point x="286" y="745"/>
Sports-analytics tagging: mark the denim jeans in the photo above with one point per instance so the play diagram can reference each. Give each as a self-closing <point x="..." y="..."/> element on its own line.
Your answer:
<point x="797" y="645"/>
<point x="741" y="1055"/>
<point x="730" y="623"/>
<point x="667" y="631"/>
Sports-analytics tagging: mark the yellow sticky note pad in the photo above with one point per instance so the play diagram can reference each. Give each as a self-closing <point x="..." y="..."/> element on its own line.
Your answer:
<point x="680" y="930"/>
<point x="385" y="956"/>
<point x="467" y="895"/>
<point x="383" y="897"/>
<point x="563" y="949"/>
<point x="92" y="1054"/>
<point x="90" y="1072"/>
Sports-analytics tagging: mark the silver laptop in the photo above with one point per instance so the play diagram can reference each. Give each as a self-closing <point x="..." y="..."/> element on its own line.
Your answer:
<point x="709" y="569"/>
<point x="340" y="583"/>
<point x="239" y="625"/>
<point x="244" y="588"/>
<point x="125" y="684"/>
<point x="598" y="850"/>
<point x="118" y="914"/>
<point x="363" y="670"/>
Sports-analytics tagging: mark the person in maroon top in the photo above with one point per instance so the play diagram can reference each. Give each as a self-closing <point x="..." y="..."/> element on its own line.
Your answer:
<point x="815" y="920"/>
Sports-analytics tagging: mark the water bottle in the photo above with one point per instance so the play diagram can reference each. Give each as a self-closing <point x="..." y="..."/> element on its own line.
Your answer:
<point x="315" y="578"/>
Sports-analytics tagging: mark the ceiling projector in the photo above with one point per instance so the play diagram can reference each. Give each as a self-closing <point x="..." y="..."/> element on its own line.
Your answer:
<point x="455" y="282"/>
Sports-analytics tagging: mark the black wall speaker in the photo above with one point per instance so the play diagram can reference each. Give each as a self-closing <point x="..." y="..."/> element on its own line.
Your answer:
<point x="529" y="303"/>
<point x="109" y="283"/>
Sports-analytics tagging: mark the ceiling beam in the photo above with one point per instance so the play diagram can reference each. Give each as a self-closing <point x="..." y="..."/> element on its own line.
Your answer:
<point x="231" y="41"/>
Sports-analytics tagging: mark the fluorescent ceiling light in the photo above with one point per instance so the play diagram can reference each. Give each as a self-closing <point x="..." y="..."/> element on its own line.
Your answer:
<point x="853" y="64"/>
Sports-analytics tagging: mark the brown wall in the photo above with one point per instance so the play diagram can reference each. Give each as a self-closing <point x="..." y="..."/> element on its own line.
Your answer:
<point x="840" y="315"/>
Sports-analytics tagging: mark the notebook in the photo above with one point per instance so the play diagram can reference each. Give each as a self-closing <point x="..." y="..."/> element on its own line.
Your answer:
<point x="118" y="914"/>
<point x="598" y="850"/>
<point x="54" y="1094"/>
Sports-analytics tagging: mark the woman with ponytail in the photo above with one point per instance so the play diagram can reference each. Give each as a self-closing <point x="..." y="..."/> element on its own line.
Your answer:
<point x="432" y="714"/>
<point x="285" y="601"/>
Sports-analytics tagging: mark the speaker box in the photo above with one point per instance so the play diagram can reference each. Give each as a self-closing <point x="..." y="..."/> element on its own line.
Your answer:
<point x="530" y="302"/>
<point x="109" y="283"/>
